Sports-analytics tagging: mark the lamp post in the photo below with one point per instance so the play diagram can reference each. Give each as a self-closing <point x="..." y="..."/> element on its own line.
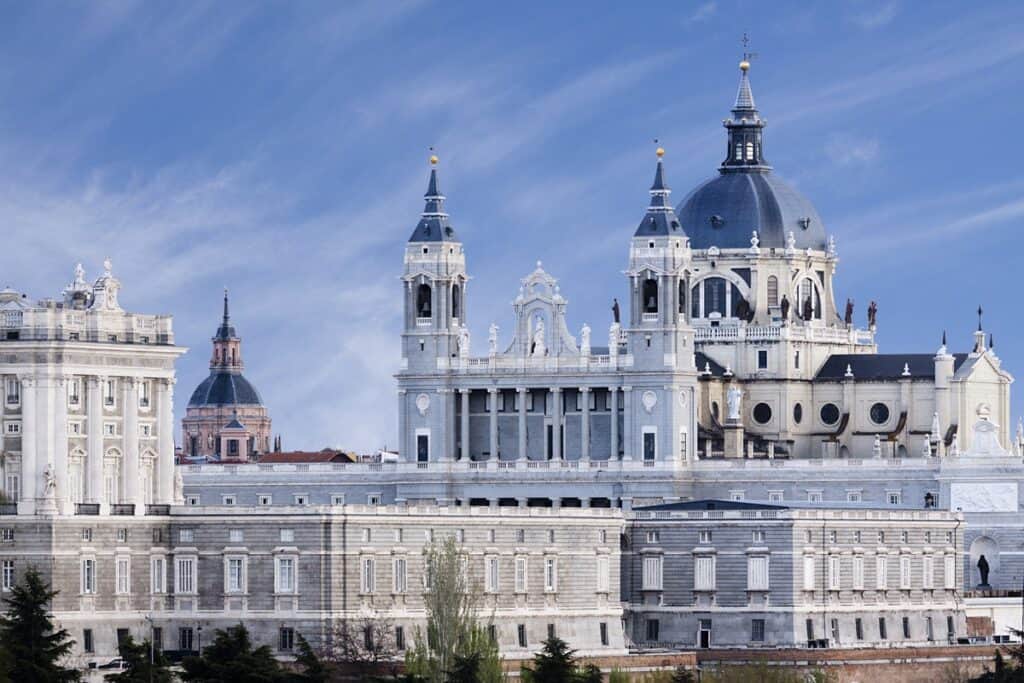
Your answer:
<point x="199" y="639"/>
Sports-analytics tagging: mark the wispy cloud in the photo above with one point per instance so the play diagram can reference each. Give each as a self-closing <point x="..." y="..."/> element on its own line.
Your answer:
<point x="876" y="17"/>
<point x="702" y="13"/>
<point x="847" y="150"/>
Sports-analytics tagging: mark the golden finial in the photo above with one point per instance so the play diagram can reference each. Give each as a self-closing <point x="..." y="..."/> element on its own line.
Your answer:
<point x="747" y="56"/>
<point x="660" y="151"/>
<point x="433" y="157"/>
<point x="744" y="65"/>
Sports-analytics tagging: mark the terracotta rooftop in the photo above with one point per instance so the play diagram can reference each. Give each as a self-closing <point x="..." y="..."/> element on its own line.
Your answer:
<point x="326" y="455"/>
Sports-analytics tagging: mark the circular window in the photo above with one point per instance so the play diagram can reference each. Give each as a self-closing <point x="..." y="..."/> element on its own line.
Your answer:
<point x="830" y="413"/>
<point x="762" y="413"/>
<point x="879" y="413"/>
<point x="798" y="413"/>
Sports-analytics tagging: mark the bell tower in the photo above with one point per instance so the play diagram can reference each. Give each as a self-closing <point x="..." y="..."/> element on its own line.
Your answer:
<point x="434" y="286"/>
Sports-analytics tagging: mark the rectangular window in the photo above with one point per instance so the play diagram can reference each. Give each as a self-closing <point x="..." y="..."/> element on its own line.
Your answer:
<point x="264" y="500"/>
<point x="904" y="536"/>
<point x="929" y="628"/>
<point x="833" y="536"/>
<point x="367" y="578"/>
<point x="775" y="496"/>
<point x="185" y="638"/>
<point x="287" y="535"/>
<point x="881" y="572"/>
<point x="906" y="627"/>
<point x="74" y="393"/>
<point x="762" y="360"/>
<point x="834" y="572"/>
<point x="757" y="630"/>
<point x="236" y="536"/>
<point x="186" y="535"/>
<point x="650" y="445"/>
<point x="808" y="572"/>
<point x="12" y="487"/>
<point x="185" y="575"/>
<point x="928" y="572"/>
<point x="603" y="629"/>
<point x="285" y="575"/>
<point x="400" y="582"/>
<point x="286" y="640"/>
<point x="814" y="496"/>
<point x="653" y="630"/>
<point x="143" y="394"/>
<point x="551" y="631"/>
<point x="704" y="536"/>
<point x="949" y="572"/>
<point x="88" y="576"/>
<point x="603" y="574"/>
<point x="757" y="573"/>
<point x="858" y="572"/>
<point x="950" y="628"/>
<point x="858" y="627"/>
<point x="157" y="575"/>
<point x="550" y="575"/>
<point x="809" y="626"/>
<point x="883" y="631"/>
<point x="7" y="535"/>
<point x="228" y="500"/>
<point x="853" y="496"/>
<point x="122" y="578"/>
<point x="109" y="391"/>
<point x="894" y="498"/>
<point x="400" y="638"/>
<point x="520" y="575"/>
<point x="491" y="574"/>
<point x="905" y="572"/>
<point x="757" y="537"/>
<point x="122" y="535"/>
<point x="652" y="573"/>
<point x="8" y="576"/>
<point x="236" y="575"/>
<point x="881" y="537"/>
<point x="87" y="644"/>
<point x="13" y="391"/>
<point x="704" y="573"/>
<point x="834" y="624"/>
<point x="521" y="634"/>
<point x="520" y="535"/>
<point x="652" y="536"/>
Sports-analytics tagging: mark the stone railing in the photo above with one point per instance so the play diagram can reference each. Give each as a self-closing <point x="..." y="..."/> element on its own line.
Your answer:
<point x="441" y="467"/>
<point x="520" y="364"/>
<point x="739" y="331"/>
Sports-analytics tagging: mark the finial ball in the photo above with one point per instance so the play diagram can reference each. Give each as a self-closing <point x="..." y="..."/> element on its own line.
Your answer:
<point x="660" y="152"/>
<point x="744" y="65"/>
<point x="433" y="160"/>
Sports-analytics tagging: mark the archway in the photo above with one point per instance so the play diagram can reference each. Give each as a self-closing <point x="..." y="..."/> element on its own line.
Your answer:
<point x="987" y="546"/>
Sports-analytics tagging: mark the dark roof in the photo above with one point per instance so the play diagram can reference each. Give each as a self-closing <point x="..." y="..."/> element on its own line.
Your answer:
<point x="224" y="388"/>
<point x="433" y="225"/>
<point x="724" y="211"/>
<point x="660" y="219"/>
<point x="326" y="455"/>
<point x="700" y="360"/>
<point x="882" y="366"/>
<point x="226" y="329"/>
<point x="234" y="424"/>
<point x="713" y="504"/>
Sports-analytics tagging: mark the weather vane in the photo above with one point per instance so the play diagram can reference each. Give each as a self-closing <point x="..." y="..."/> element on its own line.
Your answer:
<point x="747" y="55"/>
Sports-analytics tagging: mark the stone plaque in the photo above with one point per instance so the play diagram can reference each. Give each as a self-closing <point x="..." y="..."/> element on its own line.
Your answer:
<point x="994" y="496"/>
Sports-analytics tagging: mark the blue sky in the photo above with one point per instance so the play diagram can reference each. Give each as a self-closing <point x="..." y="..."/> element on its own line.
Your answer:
<point x="280" y="149"/>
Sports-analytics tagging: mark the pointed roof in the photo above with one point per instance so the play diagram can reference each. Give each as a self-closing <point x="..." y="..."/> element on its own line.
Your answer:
<point x="744" y="96"/>
<point x="226" y="329"/>
<point x="434" y="225"/>
<point x="660" y="218"/>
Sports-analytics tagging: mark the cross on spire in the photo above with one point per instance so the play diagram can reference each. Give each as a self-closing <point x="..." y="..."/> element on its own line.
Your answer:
<point x="980" y="312"/>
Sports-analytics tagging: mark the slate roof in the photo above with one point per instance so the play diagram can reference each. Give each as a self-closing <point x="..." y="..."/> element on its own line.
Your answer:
<point x="326" y="455"/>
<point x="700" y="360"/>
<point x="434" y="225"/>
<point x="224" y="388"/>
<point x="660" y="219"/>
<point x="883" y="366"/>
<point x="724" y="211"/>
<point x="712" y="504"/>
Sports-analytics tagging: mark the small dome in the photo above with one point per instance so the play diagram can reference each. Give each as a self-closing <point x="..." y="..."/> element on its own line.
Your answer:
<point x="724" y="211"/>
<point x="223" y="388"/>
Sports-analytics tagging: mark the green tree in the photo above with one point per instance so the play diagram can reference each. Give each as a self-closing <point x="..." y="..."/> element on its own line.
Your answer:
<point x="591" y="673"/>
<point x="465" y="669"/>
<point x="555" y="663"/>
<point x="454" y="628"/>
<point x="231" y="657"/>
<point x="140" y="669"/>
<point x="682" y="675"/>
<point x="313" y="670"/>
<point x="34" y="647"/>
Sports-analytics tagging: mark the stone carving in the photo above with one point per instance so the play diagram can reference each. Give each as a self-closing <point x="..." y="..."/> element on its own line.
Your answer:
<point x="613" y="339"/>
<point x="848" y="316"/>
<point x="872" y="314"/>
<point x="49" y="482"/>
<point x="876" y="447"/>
<point x="422" y="404"/>
<point x="648" y="400"/>
<point x="790" y="244"/>
<point x="784" y="308"/>
<point x="585" y="340"/>
<point x="983" y="570"/>
<point x="755" y="243"/>
<point x="539" y="347"/>
<point x="682" y="399"/>
<point x="983" y="496"/>
<point x="492" y="339"/>
<point x="615" y="311"/>
<point x="936" y="428"/>
<point x="926" y="447"/>
<point x="985" y="438"/>
<point x="831" y="246"/>
<point x="808" y="311"/>
<point x="179" y="487"/>
<point x="954" y="448"/>
<point x="733" y="398"/>
<point x="463" y="342"/>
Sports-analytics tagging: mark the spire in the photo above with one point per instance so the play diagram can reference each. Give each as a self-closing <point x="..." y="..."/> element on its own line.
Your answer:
<point x="744" y="126"/>
<point x="660" y="219"/>
<point x="433" y="225"/>
<point x="744" y="96"/>
<point x="226" y="329"/>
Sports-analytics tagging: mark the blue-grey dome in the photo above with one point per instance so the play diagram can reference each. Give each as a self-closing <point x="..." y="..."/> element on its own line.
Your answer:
<point x="223" y="388"/>
<point x="723" y="212"/>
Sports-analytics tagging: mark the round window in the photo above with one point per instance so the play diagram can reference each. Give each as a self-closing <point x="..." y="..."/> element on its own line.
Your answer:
<point x="762" y="413"/>
<point x="879" y="413"/>
<point x="798" y="413"/>
<point x="830" y="413"/>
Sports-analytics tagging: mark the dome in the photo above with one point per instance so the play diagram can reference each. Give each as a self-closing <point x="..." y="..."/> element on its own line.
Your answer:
<point x="225" y="389"/>
<point x="724" y="211"/>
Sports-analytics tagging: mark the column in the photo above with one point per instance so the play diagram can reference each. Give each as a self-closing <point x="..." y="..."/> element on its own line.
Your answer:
<point x="627" y="422"/>
<point x="585" y="423"/>
<point x="464" y="424"/>
<point x="523" y="395"/>
<point x="94" y="442"/>
<point x="493" y="394"/>
<point x="130" y="439"/>
<point x="613" y="408"/>
<point x="59" y="391"/>
<point x="29" y="432"/>
<point x="165" y="452"/>
<point x="405" y="450"/>
<point x="556" y="423"/>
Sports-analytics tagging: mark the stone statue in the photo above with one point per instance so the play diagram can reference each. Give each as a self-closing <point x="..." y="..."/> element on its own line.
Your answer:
<point x="79" y="274"/>
<point x="848" y="318"/>
<point x="108" y="267"/>
<point x="876" y="447"/>
<point x="755" y="243"/>
<point x="831" y="246"/>
<point x="463" y="342"/>
<point x="49" y="481"/>
<point x="733" y="398"/>
<point x="872" y="314"/>
<point x="808" y="309"/>
<point x="613" y="339"/>
<point x="492" y="339"/>
<point x="784" y="308"/>
<point x="936" y="429"/>
<point x="954" y="448"/>
<point x="983" y="571"/>
<point x="179" y="486"/>
<point x="615" y="311"/>
<point x="539" y="346"/>
<point x="926" y="447"/>
<point x="790" y="243"/>
<point x="743" y="311"/>
<point x="585" y="340"/>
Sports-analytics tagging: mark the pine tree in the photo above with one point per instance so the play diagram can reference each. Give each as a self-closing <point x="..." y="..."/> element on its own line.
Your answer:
<point x="553" y="664"/>
<point x="140" y="669"/>
<point x="465" y="669"/>
<point x="313" y="670"/>
<point x="34" y="647"/>
<point x="231" y="657"/>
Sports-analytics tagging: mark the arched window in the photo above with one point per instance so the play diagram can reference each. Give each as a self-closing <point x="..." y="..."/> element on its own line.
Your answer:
<point x="773" y="290"/>
<point x="423" y="309"/>
<point x="650" y="296"/>
<point x="809" y="293"/>
<point x="739" y="151"/>
<point x="714" y="297"/>
<point x="695" y="301"/>
<point x="682" y="297"/>
<point x="456" y="302"/>
<point x="750" y="151"/>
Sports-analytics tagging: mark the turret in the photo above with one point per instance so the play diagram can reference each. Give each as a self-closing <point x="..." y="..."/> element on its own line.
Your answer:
<point x="227" y="346"/>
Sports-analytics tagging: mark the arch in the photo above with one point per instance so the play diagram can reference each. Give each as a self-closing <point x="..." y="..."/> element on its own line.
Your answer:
<point x="717" y="293"/>
<point x="807" y="289"/>
<point x="456" y="301"/>
<point x="423" y="301"/>
<point x="682" y="296"/>
<point x="649" y="294"/>
<point x="113" y="452"/>
<point x="987" y="546"/>
<point x="773" y="290"/>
